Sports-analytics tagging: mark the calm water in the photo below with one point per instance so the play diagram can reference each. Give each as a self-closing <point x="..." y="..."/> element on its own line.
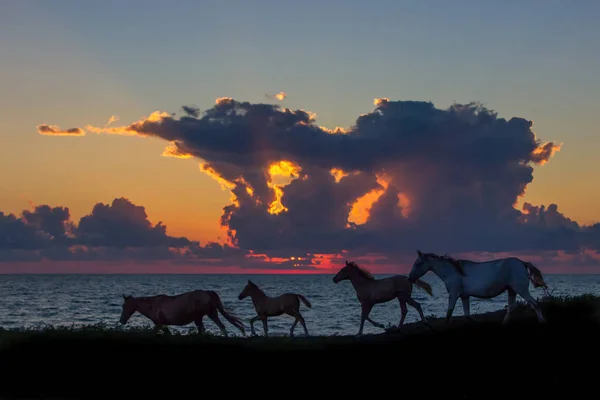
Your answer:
<point x="35" y="300"/>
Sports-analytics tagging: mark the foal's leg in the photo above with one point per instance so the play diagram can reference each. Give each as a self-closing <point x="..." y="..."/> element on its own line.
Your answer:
<point x="374" y="323"/>
<point x="512" y="298"/>
<point x="413" y="303"/>
<point x="293" y="325"/>
<point x="364" y="316"/>
<point x="403" y="310"/>
<point x="301" y="319"/>
<point x="214" y="316"/>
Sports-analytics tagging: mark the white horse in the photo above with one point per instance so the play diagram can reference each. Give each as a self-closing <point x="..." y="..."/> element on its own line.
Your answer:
<point x="484" y="280"/>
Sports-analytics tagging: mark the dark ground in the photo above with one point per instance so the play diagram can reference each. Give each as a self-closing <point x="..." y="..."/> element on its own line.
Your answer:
<point x="464" y="360"/>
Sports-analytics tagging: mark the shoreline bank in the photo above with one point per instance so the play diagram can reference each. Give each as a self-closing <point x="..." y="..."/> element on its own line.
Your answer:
<point x="457" y="359"/>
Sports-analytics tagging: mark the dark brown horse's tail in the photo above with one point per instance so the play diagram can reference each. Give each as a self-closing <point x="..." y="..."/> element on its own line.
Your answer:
<point x="535" y="275"/>
<point x="425" y="286"/>
<point x="232" y="319"/>
<point x="304" y="300"/>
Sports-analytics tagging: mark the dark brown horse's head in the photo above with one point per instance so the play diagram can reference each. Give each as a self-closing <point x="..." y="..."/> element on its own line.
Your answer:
<point x="347" y="272"/>
<point x="129" y="307"/>
<point x="247" y="291"/>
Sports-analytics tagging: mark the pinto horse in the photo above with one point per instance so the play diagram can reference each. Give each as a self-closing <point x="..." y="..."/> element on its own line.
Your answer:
<point x="180" y="310"/>
<point x="484" y="280"/>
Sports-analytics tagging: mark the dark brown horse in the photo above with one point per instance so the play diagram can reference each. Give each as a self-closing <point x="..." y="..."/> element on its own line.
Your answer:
<point x="371" y="291"/>
<point x="180" y="310"/>
<point x="265" y="306"/>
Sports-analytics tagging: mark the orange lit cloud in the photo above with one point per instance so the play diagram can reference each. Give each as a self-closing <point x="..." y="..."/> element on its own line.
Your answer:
<point x="278" y="96"/>
<point x="405" y="175"/>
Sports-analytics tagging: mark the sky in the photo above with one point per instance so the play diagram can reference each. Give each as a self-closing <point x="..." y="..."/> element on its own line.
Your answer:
<point x="238" y="137"/>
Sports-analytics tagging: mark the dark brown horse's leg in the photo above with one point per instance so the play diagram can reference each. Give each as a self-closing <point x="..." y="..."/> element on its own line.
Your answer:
<point x="214" y="316"/>
<point x="252" y="321"/>
<point x="265" y="327"/>
<point x="165" y="329"/>
<point x="417" y="306"/>
<point x="200" y="325"/>
<point x="403" y="310"/>
<point x="365" y="311"/>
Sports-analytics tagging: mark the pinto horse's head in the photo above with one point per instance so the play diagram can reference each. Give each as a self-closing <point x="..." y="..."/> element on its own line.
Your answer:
<point x="129" y="307"/>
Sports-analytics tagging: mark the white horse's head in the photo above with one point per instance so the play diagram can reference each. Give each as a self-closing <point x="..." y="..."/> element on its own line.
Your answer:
<point x="420" y="267"/>
<point x="444" y="265"/>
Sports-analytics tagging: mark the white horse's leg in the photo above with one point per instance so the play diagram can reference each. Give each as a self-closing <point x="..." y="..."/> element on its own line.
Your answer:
<point x="466" y="305"/>
<point x="533" y="304"/>
<point x="512" y="298"/>
<point x="451" y="304"/>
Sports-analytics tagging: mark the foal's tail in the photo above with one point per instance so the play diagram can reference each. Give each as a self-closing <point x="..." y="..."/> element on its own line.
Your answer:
<point x="304" y="300"/>
<point x="535" y="275"/>
<point x="232" y="319"/>
<point x="425" y="286"/>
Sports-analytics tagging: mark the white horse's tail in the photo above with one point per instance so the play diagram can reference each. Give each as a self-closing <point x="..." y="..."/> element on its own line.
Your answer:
<point x="535" y="275"/>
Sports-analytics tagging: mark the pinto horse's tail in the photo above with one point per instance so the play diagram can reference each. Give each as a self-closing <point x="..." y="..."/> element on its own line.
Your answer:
<point x="304" y="300"/>
<point x="425" y="286"/>
<point x="232" y="319"/>
<point x="535" y="275"/>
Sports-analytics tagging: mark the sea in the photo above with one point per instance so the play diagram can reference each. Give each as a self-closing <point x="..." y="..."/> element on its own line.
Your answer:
<point x="37" y="301"/>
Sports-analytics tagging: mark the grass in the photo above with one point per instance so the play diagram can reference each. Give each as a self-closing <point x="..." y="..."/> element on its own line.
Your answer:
<point x="524" y="354"/>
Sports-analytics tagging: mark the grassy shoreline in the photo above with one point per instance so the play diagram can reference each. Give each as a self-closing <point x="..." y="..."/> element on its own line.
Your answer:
<point x="558" y="310"/>
<point x="456" y="359"/>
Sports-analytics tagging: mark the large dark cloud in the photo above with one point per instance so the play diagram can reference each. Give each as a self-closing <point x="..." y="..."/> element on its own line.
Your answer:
<point x="119" y="231"/>
<point x="460" y="170"/>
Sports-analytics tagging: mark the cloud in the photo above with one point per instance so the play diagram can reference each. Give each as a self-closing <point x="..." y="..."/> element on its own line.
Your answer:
<point x="53" y="130"/>
<point x="278" y="96"/>
<point x="405" y="175"/>
<point x="119" y="231"/>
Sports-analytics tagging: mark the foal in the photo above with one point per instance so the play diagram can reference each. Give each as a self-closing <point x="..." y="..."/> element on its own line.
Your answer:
<point x="265" y="306"/>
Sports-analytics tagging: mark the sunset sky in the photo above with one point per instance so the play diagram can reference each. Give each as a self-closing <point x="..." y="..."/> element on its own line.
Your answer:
<point x="287" y="137"/>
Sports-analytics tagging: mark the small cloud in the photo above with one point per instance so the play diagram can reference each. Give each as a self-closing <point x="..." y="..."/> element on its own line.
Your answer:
<point x="113" y="118"/>
<point x="278" y="96"/>
<point x="53" y="130"/>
